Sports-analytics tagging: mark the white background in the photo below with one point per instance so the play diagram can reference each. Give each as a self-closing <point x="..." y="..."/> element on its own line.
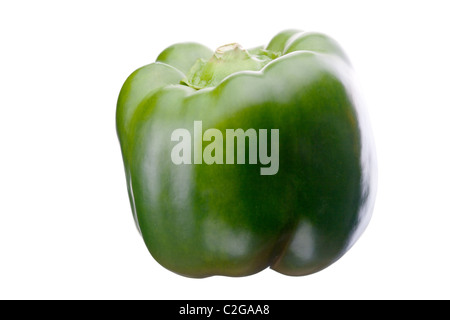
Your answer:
<point x="66" y="230"/>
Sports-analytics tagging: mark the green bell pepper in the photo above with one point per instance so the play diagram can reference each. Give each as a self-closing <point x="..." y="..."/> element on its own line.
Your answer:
<point x="238" y="160"/>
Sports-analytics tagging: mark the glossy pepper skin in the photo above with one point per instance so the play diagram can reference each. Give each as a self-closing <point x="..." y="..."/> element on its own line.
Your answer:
<point x="200" y="220"/>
